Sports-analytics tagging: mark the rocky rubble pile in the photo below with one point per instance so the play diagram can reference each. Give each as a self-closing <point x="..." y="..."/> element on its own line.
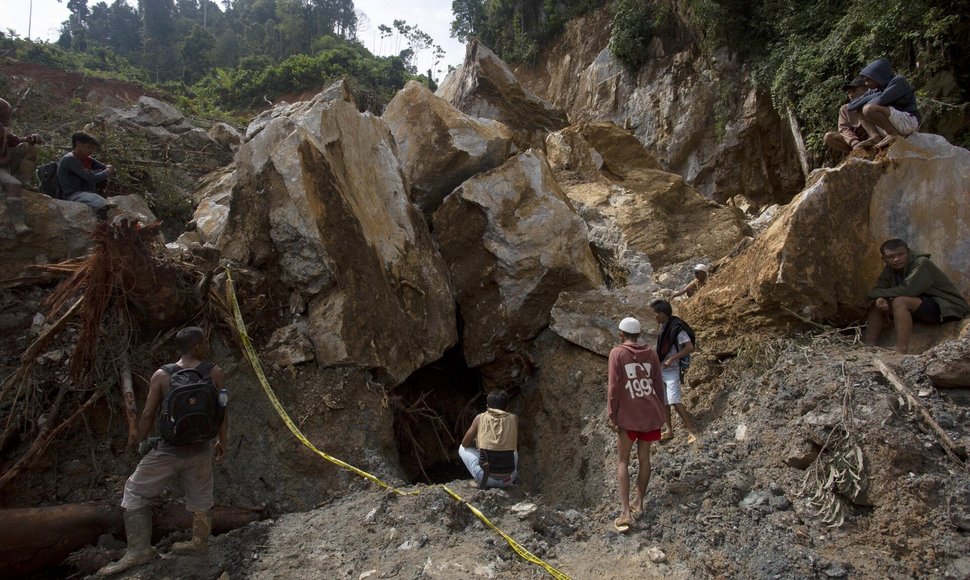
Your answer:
<point x="478" y="230"/>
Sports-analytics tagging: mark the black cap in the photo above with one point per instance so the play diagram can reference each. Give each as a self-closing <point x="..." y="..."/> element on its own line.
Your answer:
<point x="856" y="82"/>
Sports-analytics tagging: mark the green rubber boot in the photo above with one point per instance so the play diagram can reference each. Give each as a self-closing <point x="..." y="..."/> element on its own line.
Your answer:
<point x="138" y="528"/>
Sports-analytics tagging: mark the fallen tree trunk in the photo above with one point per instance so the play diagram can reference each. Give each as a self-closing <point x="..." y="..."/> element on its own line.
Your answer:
<point x="33" y="540"/>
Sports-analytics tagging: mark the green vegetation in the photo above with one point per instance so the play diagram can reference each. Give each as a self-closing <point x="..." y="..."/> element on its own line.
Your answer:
<point x="634" y="22"/>
<point x="800" y="51"/>
<point x="213" y="58"/>
<point x="516" y="29"/>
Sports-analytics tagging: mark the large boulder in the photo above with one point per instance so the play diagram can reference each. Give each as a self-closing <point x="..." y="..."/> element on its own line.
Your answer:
<point x="818" y="259"/>
<point x="483" y="86"/>
<point x="59" y="229"/>
<point x="512" y="243"/>
<point x="640" y="217"/>
<point x="439" y="146"/>
<point x="209" y="219"/>
<point x="590" y="319"/>
<point x="696" y="110"/>
<point x="163" y="125"/>
<point x="321" y="206"/>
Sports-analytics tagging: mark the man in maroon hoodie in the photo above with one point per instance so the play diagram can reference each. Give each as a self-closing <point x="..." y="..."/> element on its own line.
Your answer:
<point x="635" y="403"/>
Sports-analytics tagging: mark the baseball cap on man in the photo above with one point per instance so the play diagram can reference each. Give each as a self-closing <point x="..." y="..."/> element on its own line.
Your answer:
<point x="702" y="268"/>
<point x="856" y="82"/>
<point x="630" y="325"/>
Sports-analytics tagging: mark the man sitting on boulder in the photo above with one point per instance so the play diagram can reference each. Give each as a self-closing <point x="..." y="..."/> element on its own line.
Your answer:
<point x="850" y="132"/>
<point x="495" y="462"/>
<point x="18" y="157"/>
<point x="78" y="174"/>
<point x="911" y="289"/>
<point x="888" y="109"/>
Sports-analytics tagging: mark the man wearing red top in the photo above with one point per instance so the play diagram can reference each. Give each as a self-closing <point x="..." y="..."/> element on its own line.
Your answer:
<point x="635" y="403"/>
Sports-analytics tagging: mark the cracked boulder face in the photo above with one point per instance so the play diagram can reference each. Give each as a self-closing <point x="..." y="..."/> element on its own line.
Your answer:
<point x="439" y="146"/>
<point x="820" y="256"/>
<point x="640" y="217"/>
<point x="320" y="204"/>
<point x="512" y="242"/>
<point x="484" y="86"/>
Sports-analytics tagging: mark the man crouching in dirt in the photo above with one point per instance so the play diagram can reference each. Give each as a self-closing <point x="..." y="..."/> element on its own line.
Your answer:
<point x="911" y="289"/>
<point x="495" y="462"/>
<point x="190" y="402"/>
<point x="635" y="403"/>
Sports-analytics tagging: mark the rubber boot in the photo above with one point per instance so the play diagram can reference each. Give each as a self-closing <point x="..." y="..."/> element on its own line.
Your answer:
<point x="199" y="544"/>
<point x="138" y="528"/>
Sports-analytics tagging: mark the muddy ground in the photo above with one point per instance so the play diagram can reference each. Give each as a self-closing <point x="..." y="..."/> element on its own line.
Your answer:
<point x="728" y="506"/>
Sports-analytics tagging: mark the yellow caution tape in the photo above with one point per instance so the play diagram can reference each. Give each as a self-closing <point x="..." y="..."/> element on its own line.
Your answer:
<point x="250" y="353"/>
<point x="251" y="356"/>
<point x="525" y="554"/>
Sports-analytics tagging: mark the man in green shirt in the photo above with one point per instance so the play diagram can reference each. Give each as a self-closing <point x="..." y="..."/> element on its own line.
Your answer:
<point x="911" y="289"/>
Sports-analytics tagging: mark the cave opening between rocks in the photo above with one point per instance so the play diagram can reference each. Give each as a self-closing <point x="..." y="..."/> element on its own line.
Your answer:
<point x="432" y="410"/>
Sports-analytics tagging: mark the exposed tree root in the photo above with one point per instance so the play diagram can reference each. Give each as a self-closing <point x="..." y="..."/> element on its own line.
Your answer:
<point x="123" y="292"/>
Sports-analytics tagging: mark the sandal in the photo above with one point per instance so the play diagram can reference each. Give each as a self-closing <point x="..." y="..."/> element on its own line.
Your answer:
<point x="622" y="527"/>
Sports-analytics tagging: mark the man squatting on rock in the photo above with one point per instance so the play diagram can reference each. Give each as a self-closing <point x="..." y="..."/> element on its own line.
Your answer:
<point x="18" y="157"/>
<point x="910" y="289"/>
<point x="635" y="404"/>
<point x="888" y="108"/>
<point x="78" y="174"/>
<point x="850" y="132"/>
<point x="495" y="462"/>
<point x="191" y="463"/>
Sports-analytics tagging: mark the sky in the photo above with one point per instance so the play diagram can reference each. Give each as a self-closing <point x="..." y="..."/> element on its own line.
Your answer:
<point x="431" y="16"/>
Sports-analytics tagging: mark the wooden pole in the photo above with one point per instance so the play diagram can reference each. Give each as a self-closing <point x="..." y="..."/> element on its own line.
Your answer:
<point x="128" y="391"/>
<point x="955" y="452"/>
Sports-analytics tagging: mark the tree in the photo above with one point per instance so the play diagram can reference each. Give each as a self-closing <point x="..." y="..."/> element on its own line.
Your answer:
<point x="78" y="23"/>
<point x="158" y="25"/>
<point x="469" y="18"/>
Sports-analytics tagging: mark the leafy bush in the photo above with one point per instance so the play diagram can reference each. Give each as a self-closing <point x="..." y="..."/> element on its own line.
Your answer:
<point x="633" y="25"/>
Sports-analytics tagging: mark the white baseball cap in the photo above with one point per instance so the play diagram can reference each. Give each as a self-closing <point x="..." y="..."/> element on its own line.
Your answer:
<point x="630" y="325"/>
<point x="702" y="268"/>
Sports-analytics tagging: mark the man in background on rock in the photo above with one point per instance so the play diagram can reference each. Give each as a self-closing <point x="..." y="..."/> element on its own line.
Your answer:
<point x="889" y="108"/>
<point x="701" y="272"/>
<point x="191" y="463"/>
<point x="910" y="289"/>
<point x="78" y="174"/>
<point x="674" y="344"/>
<point x="635" y="404"/>
<point x="494" y="463"/>
<point x="850" y="132"/>
<point x="18" y="158"/>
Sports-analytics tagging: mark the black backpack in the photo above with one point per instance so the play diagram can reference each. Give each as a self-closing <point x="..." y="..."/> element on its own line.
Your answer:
<point x="47" y="178"/>
<point x="674" y="327"/>
<point x="191" y="412"/>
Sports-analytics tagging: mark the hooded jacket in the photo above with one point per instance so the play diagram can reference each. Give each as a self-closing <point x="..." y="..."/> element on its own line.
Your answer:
<point x="922" y="277"/>
<point x="896" y="91"/>
<point x="636" y="398"/>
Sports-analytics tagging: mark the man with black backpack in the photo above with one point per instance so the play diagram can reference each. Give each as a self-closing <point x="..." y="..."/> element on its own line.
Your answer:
<point x="675" y="342"/>
<point x="189" y="400"/>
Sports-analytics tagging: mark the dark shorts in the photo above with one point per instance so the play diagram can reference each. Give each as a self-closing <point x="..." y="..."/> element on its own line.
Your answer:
<point x="928" y="312"/>
<point x="644" y="435"/>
